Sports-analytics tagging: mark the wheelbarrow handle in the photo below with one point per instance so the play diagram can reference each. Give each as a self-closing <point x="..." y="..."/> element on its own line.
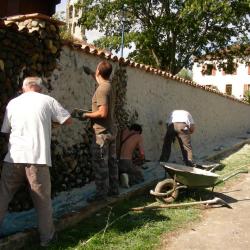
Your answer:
<point x="242" y="171"/>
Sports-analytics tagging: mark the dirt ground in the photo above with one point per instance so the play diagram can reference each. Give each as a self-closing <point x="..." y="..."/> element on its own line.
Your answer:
<point x="219" y="228"/>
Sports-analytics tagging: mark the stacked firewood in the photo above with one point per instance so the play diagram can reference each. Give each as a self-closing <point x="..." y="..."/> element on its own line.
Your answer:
<point x="30" y="47"/>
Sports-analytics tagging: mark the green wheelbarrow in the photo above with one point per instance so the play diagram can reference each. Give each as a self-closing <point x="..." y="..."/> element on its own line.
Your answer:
<point x="183" y="177"/>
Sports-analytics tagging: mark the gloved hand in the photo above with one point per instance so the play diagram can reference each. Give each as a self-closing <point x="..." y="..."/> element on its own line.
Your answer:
<point x="83" y="117"/>
<point x="77" y="114"/>
<point x="87" y="70"/>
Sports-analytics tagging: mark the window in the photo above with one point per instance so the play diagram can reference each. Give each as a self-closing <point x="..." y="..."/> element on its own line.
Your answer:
<point x="229" y="89"/>
<point x="76" y="12"/>
<point x="246" y="88"/>
<point x="70" y="11"/>
<point x="208" y="69"/>
<point x="74" y="28"/>
<point x="230" y="69"/>
<point x="248" y="69"/>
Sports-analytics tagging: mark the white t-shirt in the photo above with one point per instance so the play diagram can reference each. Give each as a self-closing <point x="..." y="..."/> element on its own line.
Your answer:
<point x="28" y="120"/>
<point x="180" y="116"/>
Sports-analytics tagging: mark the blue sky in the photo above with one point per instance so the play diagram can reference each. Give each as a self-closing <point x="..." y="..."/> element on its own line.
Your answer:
<point x="61" y="6"/>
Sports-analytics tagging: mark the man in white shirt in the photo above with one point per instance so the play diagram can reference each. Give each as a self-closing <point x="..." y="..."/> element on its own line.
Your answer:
<point x="28" y="119"/>
<point x="180" y="125"/>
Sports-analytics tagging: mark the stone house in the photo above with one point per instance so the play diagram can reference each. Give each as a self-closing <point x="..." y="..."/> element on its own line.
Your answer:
<point x="236" y="82"/>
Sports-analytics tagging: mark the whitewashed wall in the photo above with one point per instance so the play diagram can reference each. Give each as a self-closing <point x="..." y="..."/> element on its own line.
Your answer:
<point x="153" y="97"/>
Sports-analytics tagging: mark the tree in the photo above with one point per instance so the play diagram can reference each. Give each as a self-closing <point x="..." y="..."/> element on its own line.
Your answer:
<point x="168" y="33"/>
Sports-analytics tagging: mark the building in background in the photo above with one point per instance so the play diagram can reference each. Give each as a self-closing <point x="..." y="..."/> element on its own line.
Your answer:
<point x="72" y="16"/>
<point x="236" y="82"/>
<point x="22" y="7"/>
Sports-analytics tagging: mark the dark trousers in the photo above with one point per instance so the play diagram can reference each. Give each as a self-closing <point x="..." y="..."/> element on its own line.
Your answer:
<point x="180" y="131"/>
<point x="105" y="165"/>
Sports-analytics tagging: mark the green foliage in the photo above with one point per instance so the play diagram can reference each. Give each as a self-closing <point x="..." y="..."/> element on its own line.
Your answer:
<point x="247" y="96"/>
<point x="167" y="33"/>
<point x="185" y="74"/>
<point x="63" y="31"/>
<point x="65" y="34"/>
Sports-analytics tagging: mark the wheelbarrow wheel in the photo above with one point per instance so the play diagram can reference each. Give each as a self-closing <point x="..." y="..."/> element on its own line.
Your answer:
<point x="164" y="187"/>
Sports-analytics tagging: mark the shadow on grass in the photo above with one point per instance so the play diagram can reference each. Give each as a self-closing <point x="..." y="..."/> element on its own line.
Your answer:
<point x="203" y="195"/>
<point x="92" y="226"/>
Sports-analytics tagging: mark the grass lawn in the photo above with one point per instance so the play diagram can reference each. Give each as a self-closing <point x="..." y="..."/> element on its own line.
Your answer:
<point x="140" y="230"/>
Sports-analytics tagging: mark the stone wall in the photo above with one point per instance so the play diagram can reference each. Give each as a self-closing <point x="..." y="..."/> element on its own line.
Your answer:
<point x="217" y="116"/>
<point x="151" y="95"/>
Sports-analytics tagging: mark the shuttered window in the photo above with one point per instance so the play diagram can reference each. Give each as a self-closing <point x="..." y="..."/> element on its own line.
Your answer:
<point x="246" y="88"/>
<point x="229" y="89"/>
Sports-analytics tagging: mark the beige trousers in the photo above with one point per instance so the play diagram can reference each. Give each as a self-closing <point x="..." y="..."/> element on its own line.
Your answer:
<point x="38" y="177"/>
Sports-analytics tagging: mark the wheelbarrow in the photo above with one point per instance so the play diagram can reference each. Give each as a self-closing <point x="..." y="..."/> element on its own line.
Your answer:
<point x="182" y="177"/>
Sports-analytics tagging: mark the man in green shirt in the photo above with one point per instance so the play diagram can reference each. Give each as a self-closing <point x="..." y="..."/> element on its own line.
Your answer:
<point x="103" y="147"/>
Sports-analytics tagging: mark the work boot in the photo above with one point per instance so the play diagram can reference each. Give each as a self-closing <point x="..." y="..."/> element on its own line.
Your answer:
<point x="124" y="180"/>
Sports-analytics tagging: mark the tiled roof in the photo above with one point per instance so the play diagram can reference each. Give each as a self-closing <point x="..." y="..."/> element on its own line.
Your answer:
<point x="92" y="50"/>
<point x="233" y="50"/>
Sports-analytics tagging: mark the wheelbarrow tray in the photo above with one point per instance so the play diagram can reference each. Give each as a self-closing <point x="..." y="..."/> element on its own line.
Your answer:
<point x="191" y="176"/>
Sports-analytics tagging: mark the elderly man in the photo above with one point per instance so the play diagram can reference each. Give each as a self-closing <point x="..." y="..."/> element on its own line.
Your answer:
<point x="103" y="147"/>
<point x="28" y="119"/>
<point x="180" y="124"/>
